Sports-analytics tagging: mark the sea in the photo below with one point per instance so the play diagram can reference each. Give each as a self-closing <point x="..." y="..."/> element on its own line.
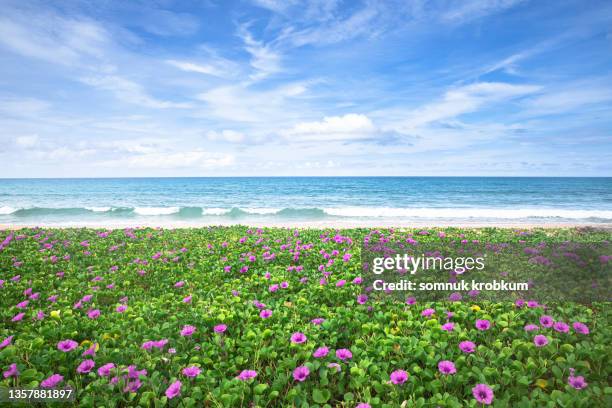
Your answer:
<point x="401" y="201"/>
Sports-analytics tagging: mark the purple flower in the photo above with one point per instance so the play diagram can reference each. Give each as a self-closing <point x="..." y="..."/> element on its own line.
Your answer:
<point x="51" y="381"/>
<point x="455" y="297"/>
<point x="410" y="301"/>
<point x="467" y="346"/>
<point x="448" y="326"/>
<point x="301" y="373"/>
<point x="317" y="321"/>
<point x="6" y="342"/>
<point x="220" y="328"/>
<point x="191" y="372"/>
<point x="11" y="372"/>
<point x="187" y="330"/>
<point x="580" y="328"/>
<point x="67" y="345"/>
<point x="546" y="321"/>
<point x="447" y="367"/>
<point x="561" y="327"/>
<point x="398" y="377"/>
<point x="86" y="366"/>
<point x="320" y="352"/>
<point x="483" y="394"/>
<point x="576" y="382"/>
<point x="344" y="354"/>
<point x="105" y="370"/>
<point x="483" y="324"/>
<point x="133" y="372"/>
<point x="93" y="314"/>
<point x="18" y="317"/>
<point x="361" y="299"/>
<point x="121" y="308"/>
<point x="91" y="351"/>
<point x="264" y="314"/>
<point x="298" y="338"/>
<point x="363" y="405"/>
<point x="246" y="375"/>
<point x="531" y="327"/>
<point x="540" y="340"/>
<point x="173" y="390"/>
<point x="427" y="312"/>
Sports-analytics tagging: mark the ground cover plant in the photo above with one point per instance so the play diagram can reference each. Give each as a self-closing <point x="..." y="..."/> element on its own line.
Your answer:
<point x="238" y="316"/>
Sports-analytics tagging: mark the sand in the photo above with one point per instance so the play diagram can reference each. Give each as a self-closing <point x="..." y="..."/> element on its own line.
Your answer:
<point x="322" y="224"/>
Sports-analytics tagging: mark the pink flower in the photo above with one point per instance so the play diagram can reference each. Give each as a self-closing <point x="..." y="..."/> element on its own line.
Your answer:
<point x="105" y="370"/>
<point x="483" y="325"/>
<point x="220" y="328"/>
<point x="362" y="299"/>
<point x="561" y="327"/>
<point x="320" y="352"/>
<point x="398" y="377"/>
<point x="6" y="342"/>
<point x="173" y="390"/>
<point x="264" y="314"/>
<point x="273" y="288"/>
<point x="540" y="340"/>
<point x="85" y="366"/>
<point x="121" y="308"/>
<point x="298" y="338"/>
<point x="23" y="305"/>
<point x="467" y="346"/>
<point x="18" y="317"/>
<point x="317" y="321"/>
<point x="187" y="330"/>
<point x="531" y="327"/>
<point x="576" y="382"/>
<point x="448" y="326"/>
<point x="301" y="373"/>
<point x="11" y="372"/>
<point x="51" y="381"/>
<point x="67" y="345"/>
<point x="246" y="375"/>
<point x="191" y="372"/>
<point x="93" y="314"/>
<point x="91" y="351"/>
<point x="447" y="367"/>
<point x="187" y="299"/>
<point x="427" y="312"/>
<point x="546" y="321"/>
<point x="344" y="354"/>
<point x="179" y="284"/>
<point x="580" y="328"/>
<point x="483" y="394"/>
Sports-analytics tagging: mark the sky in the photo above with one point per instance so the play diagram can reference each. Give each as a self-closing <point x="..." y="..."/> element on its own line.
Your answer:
<point x="305" y="88"/>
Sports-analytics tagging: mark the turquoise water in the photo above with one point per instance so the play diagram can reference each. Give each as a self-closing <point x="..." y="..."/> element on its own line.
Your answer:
<point x="241" y="200"/>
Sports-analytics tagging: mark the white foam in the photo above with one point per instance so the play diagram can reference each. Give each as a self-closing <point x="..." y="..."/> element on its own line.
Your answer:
<point x="261" y="211"/>
<point x="480" y="213"/>
<point x="5" y="210"/>
<point x="156" y="210"/>
<point x="215" y="211"/>
<point x="99" y="209"/>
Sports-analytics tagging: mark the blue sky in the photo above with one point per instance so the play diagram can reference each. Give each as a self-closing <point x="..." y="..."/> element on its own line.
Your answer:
<point x="267" y="87"/>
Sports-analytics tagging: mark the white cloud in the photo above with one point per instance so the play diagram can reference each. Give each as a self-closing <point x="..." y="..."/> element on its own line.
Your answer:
<point x="130" y="92"/>
<point x="264" y="59"/>
<point x="566" y="99"/>
<point x="468" y="10"/>
<point x="27" y="141"/>
<point x="52" y="38"/>
<point x="172" y="160"/>
<point x="462" y="100"/>
<point x="227" y="135"/>
<point x="349" y="126"/>
<point x="241" y="103"/>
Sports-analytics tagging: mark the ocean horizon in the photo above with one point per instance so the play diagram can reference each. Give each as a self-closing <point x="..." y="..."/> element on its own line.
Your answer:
<point x="244" y="200"/>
